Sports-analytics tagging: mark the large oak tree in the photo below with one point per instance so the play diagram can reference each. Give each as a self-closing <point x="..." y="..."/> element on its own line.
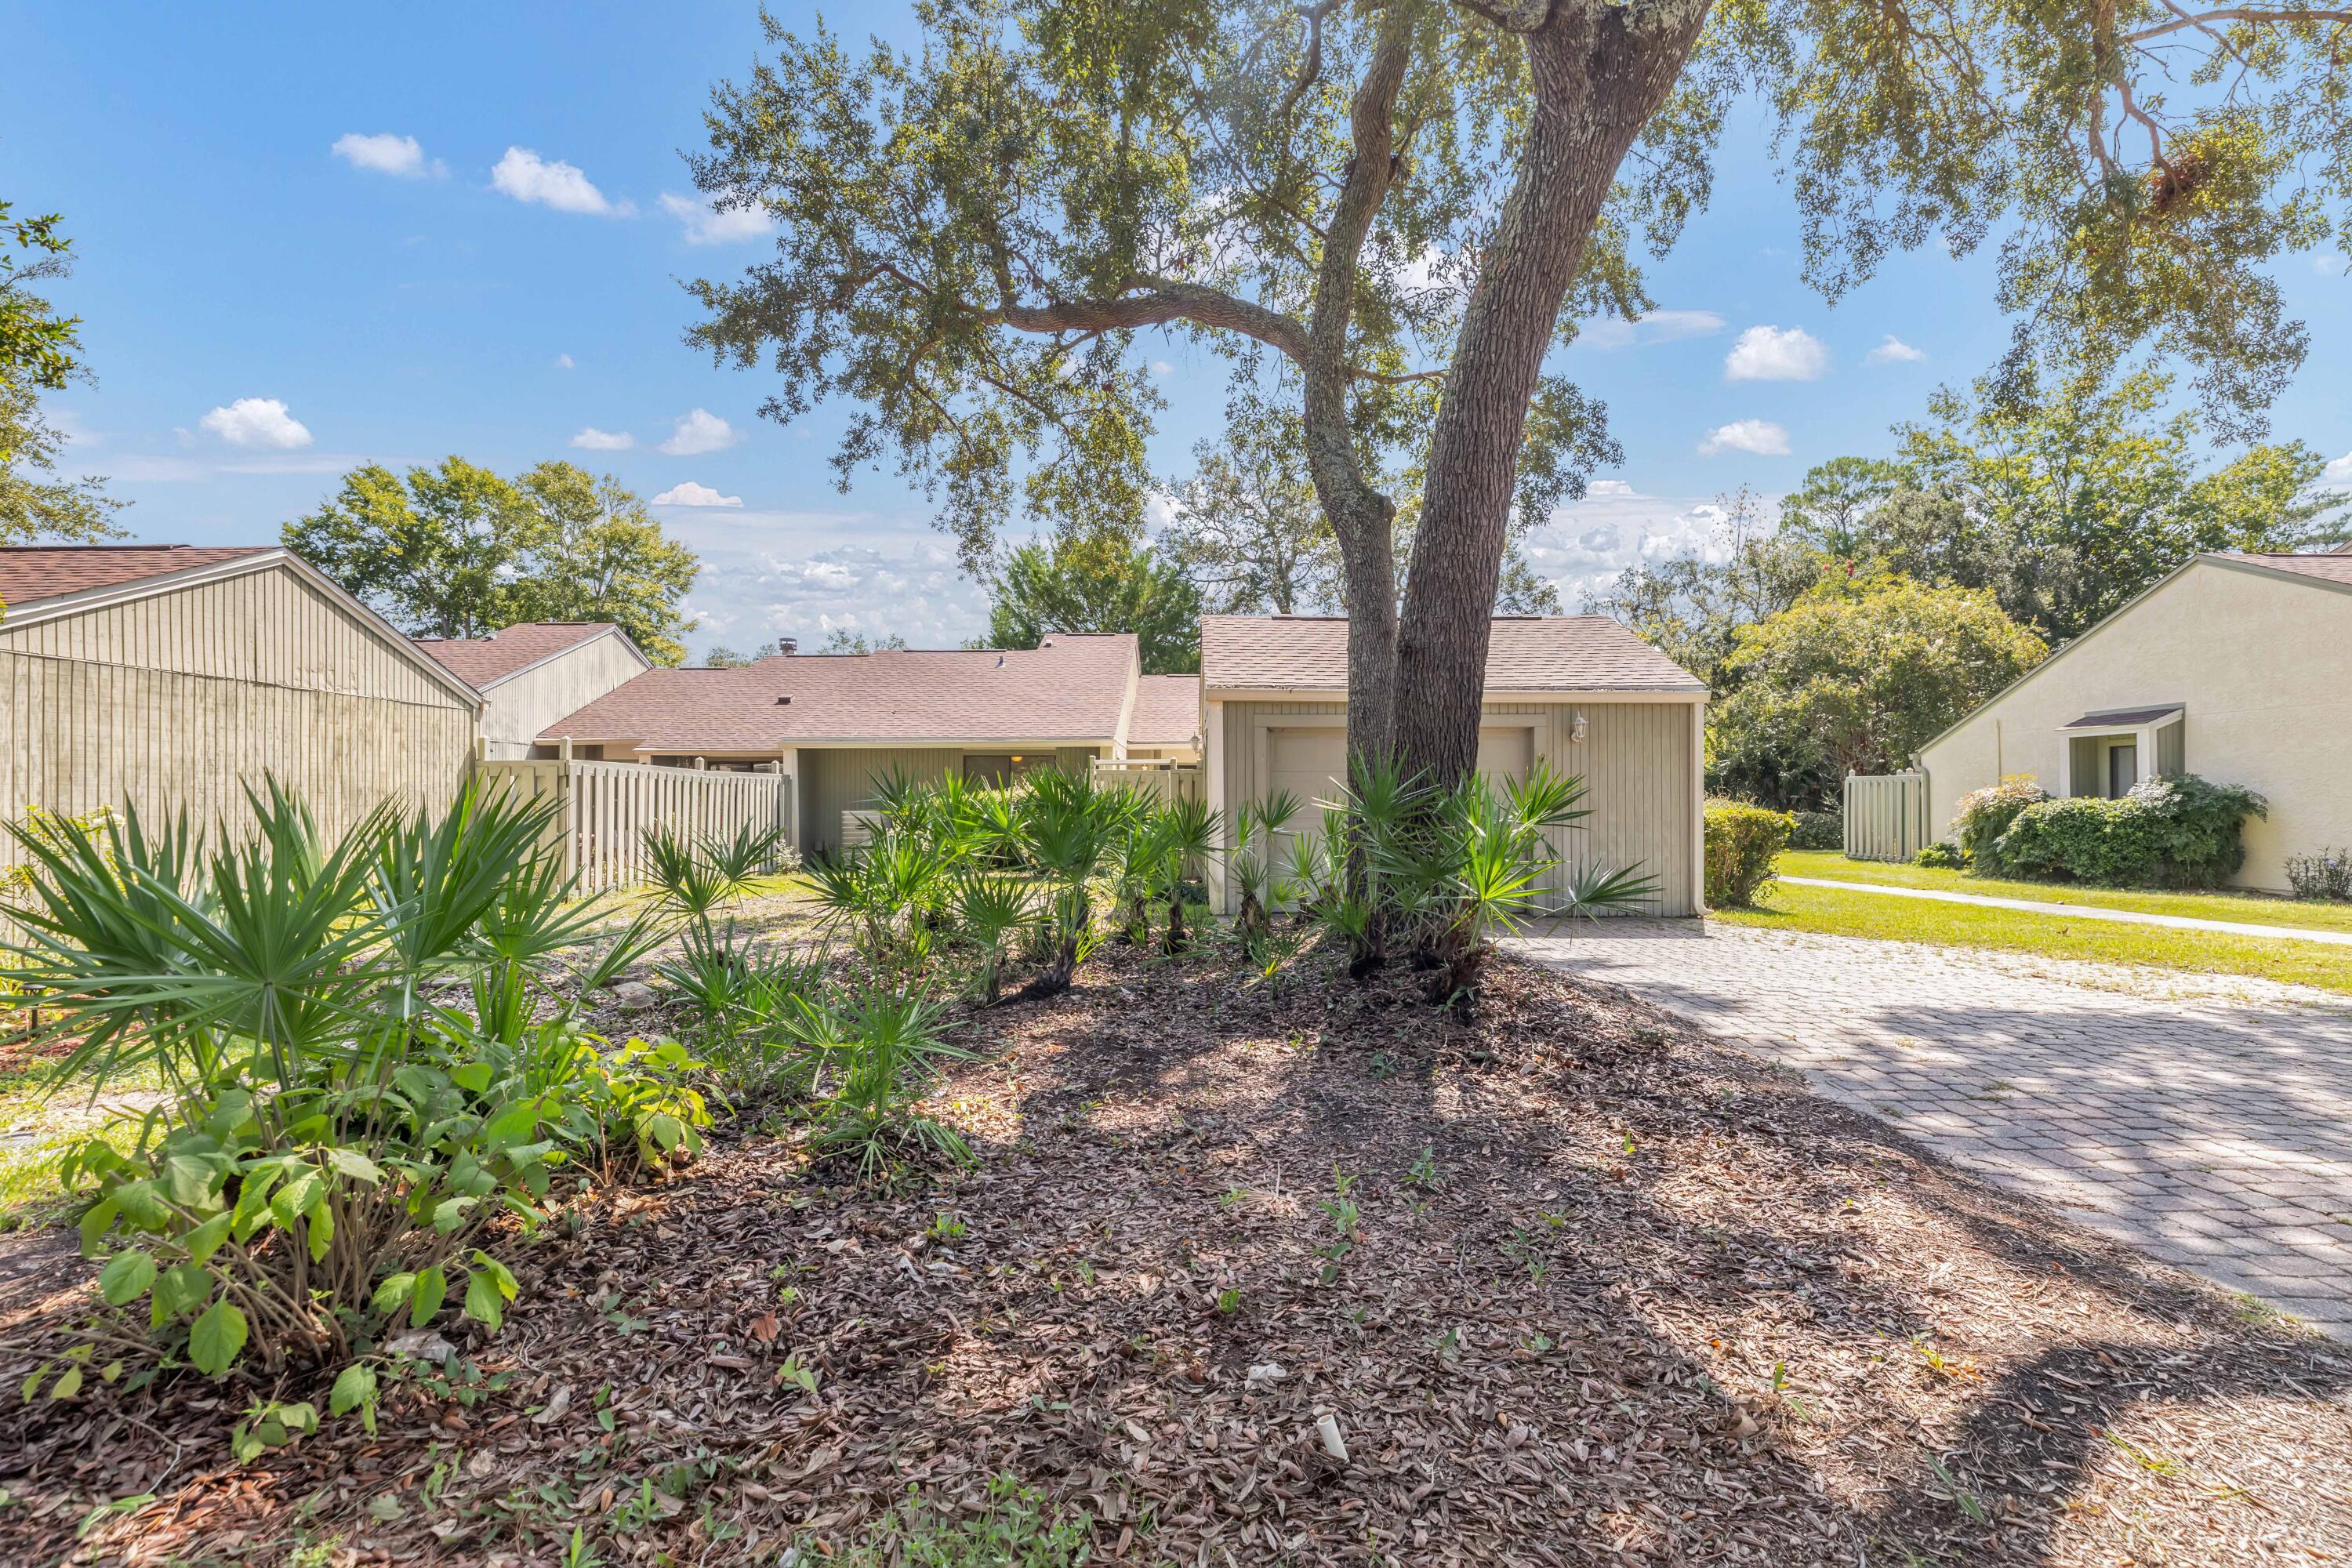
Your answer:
<point x="1404" y="206"/>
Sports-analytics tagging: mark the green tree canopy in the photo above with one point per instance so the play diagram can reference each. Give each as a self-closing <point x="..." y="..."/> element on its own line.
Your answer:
<point x="39" y="353"/>
<point x="1857" y="675"/>
<point x="1402" y="205"/>
<point x="457" y="551"/>
<point x="1100" y="582"/>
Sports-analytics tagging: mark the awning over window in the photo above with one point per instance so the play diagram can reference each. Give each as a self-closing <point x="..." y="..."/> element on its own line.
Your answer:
<point x="2125" y="718"/>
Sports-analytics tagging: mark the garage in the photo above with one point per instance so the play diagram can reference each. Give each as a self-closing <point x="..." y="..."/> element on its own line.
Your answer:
<point x="1579" y="693"/>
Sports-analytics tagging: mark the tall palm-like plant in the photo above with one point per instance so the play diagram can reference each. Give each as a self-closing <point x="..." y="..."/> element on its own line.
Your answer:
<point x="1069" y="828"/>
<point x="1186" y="832"/>
<point x="1252" y="865"/>
<point x="991" y="911"/>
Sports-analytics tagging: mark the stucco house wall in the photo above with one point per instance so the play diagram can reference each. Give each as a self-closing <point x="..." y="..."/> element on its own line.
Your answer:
<point x="2259" y="659"/>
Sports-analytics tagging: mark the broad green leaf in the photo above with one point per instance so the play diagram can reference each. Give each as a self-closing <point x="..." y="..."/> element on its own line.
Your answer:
<point x="451" y="1213"/>
<point x="473" y="1077"/>
<point x="482" y="1302"/>
<point x="218" y="1336"/>
<point x="666" y="1131"/>
<point x="126" y="1278"/>
<point x="320" y="1229"/>
<point x="497" y="1271"/>
<point x="179" y="1290"/>
<point x="394" y="1290"/>
<point x="95" y="1223"/>
<point x="354" y="1165"/>
<point x="189" y="1180"/>
<point x="355" y="1386"/>
<point x="290" y="1202"/>
<point x="425" y="1296"/>
<point x="207" y="1237"/>
<point x="69" y="1386"/>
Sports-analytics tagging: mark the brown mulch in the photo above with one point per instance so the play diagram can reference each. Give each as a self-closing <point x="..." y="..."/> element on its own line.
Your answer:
<point x="1647" y="1301"/>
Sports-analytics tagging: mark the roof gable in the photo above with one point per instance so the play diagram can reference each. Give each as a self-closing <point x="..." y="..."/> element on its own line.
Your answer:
<point x="30" y="573"/>
<point x="1524" y="653"/>
<point x="1167" y="711"/>
<point x="483" y="662"/>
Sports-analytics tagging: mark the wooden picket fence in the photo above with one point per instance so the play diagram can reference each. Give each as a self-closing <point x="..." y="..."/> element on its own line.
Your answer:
<point x="1172" y="781"/>
<point x="1887" y="817"/>
<point x="605" y="809"/>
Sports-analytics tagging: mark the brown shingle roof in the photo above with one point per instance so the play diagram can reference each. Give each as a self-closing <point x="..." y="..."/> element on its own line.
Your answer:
<point x="1526" y="653"/>
<point x="1167" y="711"/>
<point x="1071" y="690"/>
<point x="31" y="573"/>
<point x="2332" y="567"/>
<point x="485" y="662"/>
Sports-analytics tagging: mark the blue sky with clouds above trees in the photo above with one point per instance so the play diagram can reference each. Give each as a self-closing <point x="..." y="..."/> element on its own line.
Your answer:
<point x="316" y="238"/>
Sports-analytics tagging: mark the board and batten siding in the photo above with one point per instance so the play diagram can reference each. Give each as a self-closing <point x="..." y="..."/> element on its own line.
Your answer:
<point x="1635" y="761"/>
<point x="183" y="697"/>
<point x="835" y="779"/>
<point x="518" y="710"/>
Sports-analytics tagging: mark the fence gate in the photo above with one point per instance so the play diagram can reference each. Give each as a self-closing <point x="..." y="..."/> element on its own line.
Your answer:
<point x="605" y="809"/>
<point x="1887" y="817"/>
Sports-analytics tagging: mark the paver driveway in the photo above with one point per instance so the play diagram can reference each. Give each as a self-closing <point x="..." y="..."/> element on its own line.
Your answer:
<point x="2215" y="1131"/>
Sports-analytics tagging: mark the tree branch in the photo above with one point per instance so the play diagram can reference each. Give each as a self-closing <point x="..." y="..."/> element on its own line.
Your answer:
<point x="1169" y="301"/>
<point x="2233" y="14"/>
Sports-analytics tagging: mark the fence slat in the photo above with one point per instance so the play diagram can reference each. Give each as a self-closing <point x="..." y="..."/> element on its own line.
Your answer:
<point x="605" y="809"/>
<point x="1887" y="817"/>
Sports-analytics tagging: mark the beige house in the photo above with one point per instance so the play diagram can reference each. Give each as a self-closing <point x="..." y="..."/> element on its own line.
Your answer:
<point x="2237" y="667"/>
<point x="534" y="673"/>
<point x="839" y="724"/>
<point x="1580" y="692"/>
<point x="178" y="675"/>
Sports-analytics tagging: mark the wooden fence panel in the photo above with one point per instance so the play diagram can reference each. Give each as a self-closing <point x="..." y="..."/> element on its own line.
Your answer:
<point x="1171" y="781"/>
<point x="1887" y="817"/>
<point x="605" y="810"/>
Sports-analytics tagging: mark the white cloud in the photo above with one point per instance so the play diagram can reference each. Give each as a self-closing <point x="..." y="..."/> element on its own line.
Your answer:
<point x="563" y="361"/>
<point x="1611" y="490"/>
<point x="1768" y="353"/>
<point x="685" y="492"/>
<point x="399" y="157"/>
<point x="1760" y="437"/>
<point x="527" y="177"/>
<point x="256" y="422"/>
<point x="2339" y="471"/>
<point x="1894" y="350"/>
<point x="1161" y="367"/>
<point x="698" y="431"/>
<point x="595" y="440"/>
<point x="708" y="225"/>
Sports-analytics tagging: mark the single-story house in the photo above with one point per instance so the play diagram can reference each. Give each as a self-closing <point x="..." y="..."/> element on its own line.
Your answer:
<point x="173" y="676"/>
<point x="2237" y="667"/>
<point x="1580" y="692"/>
<point x="533" y="673"/>
<point x="839" y="722"/>
<point x="1166" y="723"/>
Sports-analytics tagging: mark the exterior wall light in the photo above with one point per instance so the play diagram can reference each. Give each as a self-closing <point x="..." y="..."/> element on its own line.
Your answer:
<point x="1578" y="731"/>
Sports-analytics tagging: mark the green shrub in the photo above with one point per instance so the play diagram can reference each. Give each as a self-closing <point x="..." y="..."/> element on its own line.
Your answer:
<point x="2323" y="874"/>
<point x="2177" y="832"/>
<point x="336" y="1140"/>
<point x="1941" y="855"/>
<point x="1818" y="830"/>
<point x="1741" y="843"/>
<point x="1984" y="815"/>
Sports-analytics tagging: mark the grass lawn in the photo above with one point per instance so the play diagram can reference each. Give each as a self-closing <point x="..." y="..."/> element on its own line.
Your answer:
<point x="1837" y="912"/>
<point x="40" y="1126"/>
<point x="2253" y="908"/>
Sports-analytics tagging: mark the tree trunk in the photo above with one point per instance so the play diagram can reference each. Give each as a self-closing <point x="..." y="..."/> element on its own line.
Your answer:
<point x="1599" y="74"/>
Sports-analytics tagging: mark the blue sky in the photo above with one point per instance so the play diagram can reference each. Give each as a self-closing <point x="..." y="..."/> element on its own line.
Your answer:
<point x="310" y="237"/>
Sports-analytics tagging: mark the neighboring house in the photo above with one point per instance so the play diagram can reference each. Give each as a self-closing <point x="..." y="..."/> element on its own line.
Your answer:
<point x="178" y="675"/>
<point x="1580" y="692"/>
<point x="1167" y="720"/>
<point x="532" y="674"/>
<point x="2237" y="667"/>
<point x="840" y="722"/>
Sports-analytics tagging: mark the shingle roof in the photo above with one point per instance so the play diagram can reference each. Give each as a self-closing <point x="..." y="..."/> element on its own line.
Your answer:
<point x="1070" y="689"/>
<point x="1526" y="653"/>
<point x="31" y="573"/>
<point x="1167" y="711"/>
<point x="485" y="662"/>
<point x="2332" y="567"/>
<point x="2122" y="718"/>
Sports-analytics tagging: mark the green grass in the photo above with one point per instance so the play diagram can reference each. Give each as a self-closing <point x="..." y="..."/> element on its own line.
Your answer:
<point x="2253" y="908"/>
<point x="1837" y="912"/>
<point x="40" y="1125"/>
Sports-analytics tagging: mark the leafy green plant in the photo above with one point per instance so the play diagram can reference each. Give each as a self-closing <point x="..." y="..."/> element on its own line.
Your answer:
<point x="1943" y="855"/>
<point x="993" y="913"/>
<point x="1252" y="864"/>
<point x="2169" y="832"/>
<point x="879" y="1048"/>
<point x="1742" y="842"/>
<point x="1014" y="1530"/>
<point x="1982" y="815"/>
<point x="335" y="1144"/>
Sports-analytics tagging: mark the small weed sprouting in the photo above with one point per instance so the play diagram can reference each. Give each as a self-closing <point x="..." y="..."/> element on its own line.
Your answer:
<point x="945" y="1226"/>
<point x="1383" y="1067"/>
<point x="2155" y="1464"/>
<point x="1423" y="1174"/>
<point x="1448" y="1345"/>
<point x="1343" y="1181"/>
<point x="1229" y="1302"/>
<point x="1960" y="1494"/>
<point x="1232" y="1196"/>
<point x="792" y="1371"/>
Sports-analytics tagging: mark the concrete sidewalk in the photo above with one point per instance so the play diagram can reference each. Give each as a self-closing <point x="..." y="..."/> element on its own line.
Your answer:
<point x="2082" y="912"/>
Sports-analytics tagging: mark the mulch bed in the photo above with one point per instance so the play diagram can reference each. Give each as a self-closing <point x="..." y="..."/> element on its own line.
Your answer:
<point x="1647" y="1300"/>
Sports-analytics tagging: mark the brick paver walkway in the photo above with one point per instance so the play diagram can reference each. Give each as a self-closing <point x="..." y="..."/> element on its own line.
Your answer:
<point x="2215" y="1132"/>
